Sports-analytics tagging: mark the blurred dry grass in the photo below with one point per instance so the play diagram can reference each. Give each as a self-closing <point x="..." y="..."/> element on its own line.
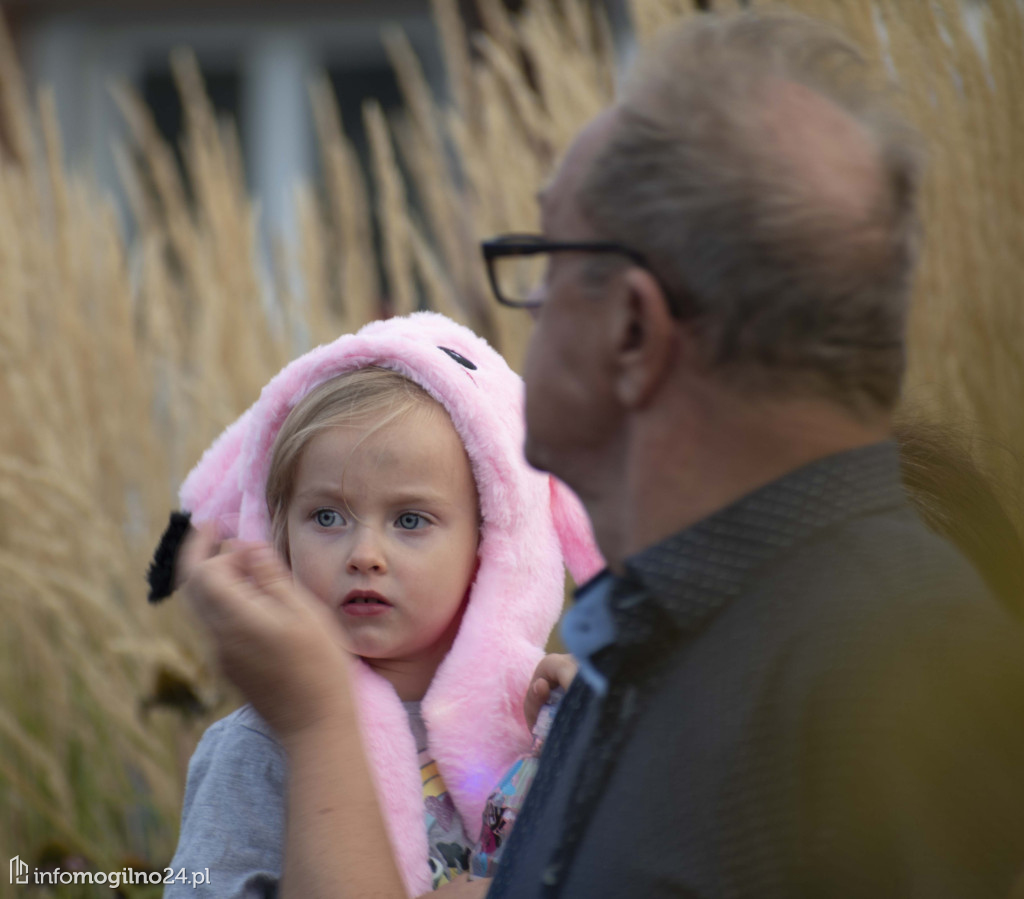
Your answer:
<point x="966" y="364"/>
<point x="121" y="362"/>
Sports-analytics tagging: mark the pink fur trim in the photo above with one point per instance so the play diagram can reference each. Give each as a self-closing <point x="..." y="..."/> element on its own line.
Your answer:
<point x="390" y="747"/>
<point x="531" y="525"/>
<point x="576" y="537"/>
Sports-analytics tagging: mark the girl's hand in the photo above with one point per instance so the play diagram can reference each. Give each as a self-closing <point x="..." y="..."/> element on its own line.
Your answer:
<point x="554" y="670"/>
<point x="272" y="639"/>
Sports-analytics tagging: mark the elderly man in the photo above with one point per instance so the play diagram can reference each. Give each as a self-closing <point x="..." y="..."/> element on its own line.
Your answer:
<point x="788" y="686"/>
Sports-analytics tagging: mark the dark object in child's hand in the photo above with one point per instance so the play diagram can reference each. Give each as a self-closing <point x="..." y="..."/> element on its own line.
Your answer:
<point x="161" y="570"/>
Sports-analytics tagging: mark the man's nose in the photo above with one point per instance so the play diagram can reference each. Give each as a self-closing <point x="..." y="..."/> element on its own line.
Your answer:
<point x="366" y="554"/>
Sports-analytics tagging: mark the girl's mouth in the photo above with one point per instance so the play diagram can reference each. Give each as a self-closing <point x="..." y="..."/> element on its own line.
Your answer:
<point x="364" y="602"/>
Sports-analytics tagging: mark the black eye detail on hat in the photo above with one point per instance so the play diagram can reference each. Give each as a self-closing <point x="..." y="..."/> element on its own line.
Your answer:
<point x="462" y="360"/>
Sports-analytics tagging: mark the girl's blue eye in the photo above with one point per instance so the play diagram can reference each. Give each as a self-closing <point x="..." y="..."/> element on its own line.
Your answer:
<point x="410" y="521"/>
<point x="327" y="518"/>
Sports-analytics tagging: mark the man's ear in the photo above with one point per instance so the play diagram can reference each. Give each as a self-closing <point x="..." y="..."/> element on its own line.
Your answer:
<point x="644" y="339"/>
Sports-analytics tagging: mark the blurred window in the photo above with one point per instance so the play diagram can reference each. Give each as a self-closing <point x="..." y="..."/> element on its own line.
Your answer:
<point x="160" y="92"/>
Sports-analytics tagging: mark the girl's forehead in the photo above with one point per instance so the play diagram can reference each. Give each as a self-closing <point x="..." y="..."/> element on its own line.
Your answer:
<point x="388" y="422"/>
<point x="421" y="445"/>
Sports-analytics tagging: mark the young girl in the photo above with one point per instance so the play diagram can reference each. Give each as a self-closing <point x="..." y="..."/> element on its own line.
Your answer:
<point x="387" y="469"/>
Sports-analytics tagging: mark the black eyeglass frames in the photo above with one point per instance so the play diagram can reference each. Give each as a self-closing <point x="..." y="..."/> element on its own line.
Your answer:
<point x="517" y="263"/>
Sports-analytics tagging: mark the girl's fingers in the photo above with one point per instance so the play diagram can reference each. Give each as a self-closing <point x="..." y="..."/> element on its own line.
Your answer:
<point x="234" y="546"/>
<point x="201" y="543"/>
<point x="558" y="669"/>
<point x="536" y="696"/>
<point x="268" y="570"/>
<point x="554" y="670"/>
<point x="213" y="583"/>
<point x="541" y="690"/>
<point x="223" y="596"/>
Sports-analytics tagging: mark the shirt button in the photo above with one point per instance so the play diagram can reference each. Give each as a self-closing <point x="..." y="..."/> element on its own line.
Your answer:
<point x="551" y="875"/>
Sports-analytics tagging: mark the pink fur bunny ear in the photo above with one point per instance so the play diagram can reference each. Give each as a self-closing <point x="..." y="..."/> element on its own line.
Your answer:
<point x="213" y="489"/>
<point x="575" y="535"/>
<point x="211" y="493"/>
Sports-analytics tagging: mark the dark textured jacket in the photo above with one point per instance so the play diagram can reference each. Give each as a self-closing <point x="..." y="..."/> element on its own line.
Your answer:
<point x="810" y="695"/>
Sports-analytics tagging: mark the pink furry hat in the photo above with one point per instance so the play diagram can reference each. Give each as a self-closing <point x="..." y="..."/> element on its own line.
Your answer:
<point x="532" y="525"/>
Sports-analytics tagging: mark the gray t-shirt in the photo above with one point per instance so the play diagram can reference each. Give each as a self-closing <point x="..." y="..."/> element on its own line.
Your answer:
<point x="233" y="817"/>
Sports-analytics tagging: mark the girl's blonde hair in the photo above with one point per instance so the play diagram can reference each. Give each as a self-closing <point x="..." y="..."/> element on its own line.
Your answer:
<point x="372" y="396"/>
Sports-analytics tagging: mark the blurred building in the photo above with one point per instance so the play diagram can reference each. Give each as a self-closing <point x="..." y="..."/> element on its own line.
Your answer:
<point x="257" y="57"/>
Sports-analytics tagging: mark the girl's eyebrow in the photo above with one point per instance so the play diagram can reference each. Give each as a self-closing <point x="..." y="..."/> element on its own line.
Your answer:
<point x="405" y="497"/>
<point x="400" y="496"/>
<point x="319" y="490"/>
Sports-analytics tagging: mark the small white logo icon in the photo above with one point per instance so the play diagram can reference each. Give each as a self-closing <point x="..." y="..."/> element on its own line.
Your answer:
<point x="19" y="870"/>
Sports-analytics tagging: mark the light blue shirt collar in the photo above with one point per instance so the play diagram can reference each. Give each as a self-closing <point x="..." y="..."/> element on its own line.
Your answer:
<point x="588" y="627"/>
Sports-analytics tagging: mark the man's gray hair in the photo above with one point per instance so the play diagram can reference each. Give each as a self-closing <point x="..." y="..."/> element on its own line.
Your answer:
<point x="791" y="256"/>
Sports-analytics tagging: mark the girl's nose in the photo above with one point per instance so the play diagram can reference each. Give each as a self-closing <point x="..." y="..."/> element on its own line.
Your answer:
<point x="366" y="555"/>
